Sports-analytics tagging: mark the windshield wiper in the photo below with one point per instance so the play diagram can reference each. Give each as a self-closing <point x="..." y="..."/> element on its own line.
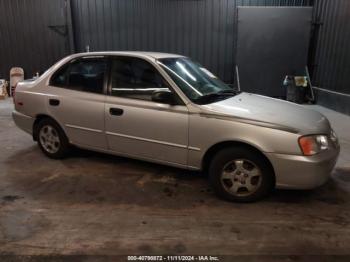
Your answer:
<point x="215" y="96"/>
<point x="229" y="92"/>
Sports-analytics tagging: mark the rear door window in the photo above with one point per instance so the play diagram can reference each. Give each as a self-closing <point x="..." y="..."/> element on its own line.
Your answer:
<point x="86" y="75"/>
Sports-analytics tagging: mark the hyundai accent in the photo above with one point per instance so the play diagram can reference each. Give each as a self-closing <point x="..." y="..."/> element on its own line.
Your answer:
<point x="167" y="109"/>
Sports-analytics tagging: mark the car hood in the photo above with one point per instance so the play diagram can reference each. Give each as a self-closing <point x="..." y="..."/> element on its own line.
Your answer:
<point x="270" y="112"/>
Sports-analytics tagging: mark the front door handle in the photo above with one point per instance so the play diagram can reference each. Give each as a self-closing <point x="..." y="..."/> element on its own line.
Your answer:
<point x="116" y="111"/>
<point x="54" y="102"/>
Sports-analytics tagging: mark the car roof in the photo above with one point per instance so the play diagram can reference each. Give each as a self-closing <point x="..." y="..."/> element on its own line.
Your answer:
<point x="155" y="55"/>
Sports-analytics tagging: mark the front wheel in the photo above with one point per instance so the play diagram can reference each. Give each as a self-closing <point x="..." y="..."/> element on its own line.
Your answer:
<point x="241" y="175"/>
<point x="51" y="139"/>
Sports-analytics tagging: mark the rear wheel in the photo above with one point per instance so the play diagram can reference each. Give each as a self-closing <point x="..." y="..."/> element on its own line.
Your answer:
<point x="51" y="139"/>
<point x="241" y="175"/>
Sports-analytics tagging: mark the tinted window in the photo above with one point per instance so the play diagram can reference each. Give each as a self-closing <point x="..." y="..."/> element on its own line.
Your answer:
<point x="135" y="78"/>
<point x="59" y="79"/>
<point x="82" y="75"/>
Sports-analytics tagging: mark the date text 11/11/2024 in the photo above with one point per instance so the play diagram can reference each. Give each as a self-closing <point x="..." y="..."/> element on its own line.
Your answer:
<point x="173" y="258"/>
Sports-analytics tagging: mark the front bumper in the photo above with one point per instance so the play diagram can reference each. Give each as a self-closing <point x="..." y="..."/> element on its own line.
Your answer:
<point x="303" y="172"/>
<point x="24" y="122"/>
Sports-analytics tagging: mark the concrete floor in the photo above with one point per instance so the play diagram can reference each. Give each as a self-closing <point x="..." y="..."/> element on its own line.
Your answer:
<point x="96" y="204"/>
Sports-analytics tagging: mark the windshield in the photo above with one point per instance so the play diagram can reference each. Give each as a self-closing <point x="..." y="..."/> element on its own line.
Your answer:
<point x="198" y="84"/>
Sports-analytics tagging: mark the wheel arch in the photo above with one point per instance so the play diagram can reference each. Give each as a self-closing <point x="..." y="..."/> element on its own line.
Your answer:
<point x="38" y="119"/>
<point x="209" y="154"/>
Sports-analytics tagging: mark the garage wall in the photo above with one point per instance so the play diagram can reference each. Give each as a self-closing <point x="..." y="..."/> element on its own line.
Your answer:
<point x="330" y="61"/>
<point x="275" y="2"/>
<point x="34" y="34"/>
<point x="26" y="39"/>
<point x="202" y="29"/>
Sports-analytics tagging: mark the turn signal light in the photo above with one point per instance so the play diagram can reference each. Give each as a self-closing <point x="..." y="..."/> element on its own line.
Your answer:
<point x="312" y="145"/>
<point x="308" y="145"/>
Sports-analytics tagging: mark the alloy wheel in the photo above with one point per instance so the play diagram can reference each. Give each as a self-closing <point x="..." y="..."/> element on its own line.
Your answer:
<point x="49" y="139"/>
<point x="241" y="177"/>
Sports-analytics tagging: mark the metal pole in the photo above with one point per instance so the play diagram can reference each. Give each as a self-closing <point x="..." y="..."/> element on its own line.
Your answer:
<point x="311" y="86"/>
<point x="70" y="26"/>
<point x="237" y="77"/>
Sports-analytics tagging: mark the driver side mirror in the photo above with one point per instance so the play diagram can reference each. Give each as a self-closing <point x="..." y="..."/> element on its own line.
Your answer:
<point x="164" y="97"/>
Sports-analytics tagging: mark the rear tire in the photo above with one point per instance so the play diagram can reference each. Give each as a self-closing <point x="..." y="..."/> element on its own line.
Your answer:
<point x="52" y="139"/>
<point x="240" y="174"/>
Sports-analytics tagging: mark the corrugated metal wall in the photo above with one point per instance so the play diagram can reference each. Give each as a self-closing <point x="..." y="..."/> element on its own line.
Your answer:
<point x="202" y="29"/>
<point x="275" y="2"/>
<point x="330" y="60"/>
<point x="25" y="37"/>
<point x="332" y="57"/>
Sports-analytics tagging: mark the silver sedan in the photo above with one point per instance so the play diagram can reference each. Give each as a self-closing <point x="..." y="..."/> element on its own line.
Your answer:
<point x="167" y="109"/>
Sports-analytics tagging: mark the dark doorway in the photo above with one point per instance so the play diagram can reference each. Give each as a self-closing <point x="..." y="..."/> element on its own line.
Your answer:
<point x="272" y="42"/>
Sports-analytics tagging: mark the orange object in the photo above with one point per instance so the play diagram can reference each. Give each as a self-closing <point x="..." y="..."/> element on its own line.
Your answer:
<point x="307" y="144"/>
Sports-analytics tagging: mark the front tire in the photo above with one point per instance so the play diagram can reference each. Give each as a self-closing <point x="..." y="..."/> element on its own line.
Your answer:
<point x="240" y="174"/>
<point x="52" y="139"/>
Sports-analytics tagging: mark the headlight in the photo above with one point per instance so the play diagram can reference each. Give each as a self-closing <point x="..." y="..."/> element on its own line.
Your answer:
<point x="312" y="145"/>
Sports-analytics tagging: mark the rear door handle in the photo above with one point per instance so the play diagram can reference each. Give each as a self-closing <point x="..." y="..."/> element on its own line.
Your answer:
<point x="54" y="102"/>
<point x="116" y="111"/>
